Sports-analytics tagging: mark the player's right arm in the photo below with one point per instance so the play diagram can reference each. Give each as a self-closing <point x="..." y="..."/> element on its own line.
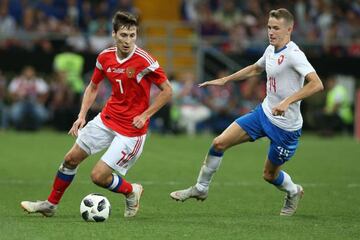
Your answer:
<point x="88" y="99"/>
<point x="247" y="72"/>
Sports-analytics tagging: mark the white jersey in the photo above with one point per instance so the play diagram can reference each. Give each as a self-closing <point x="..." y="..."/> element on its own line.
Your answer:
<point x="286" y="70"/>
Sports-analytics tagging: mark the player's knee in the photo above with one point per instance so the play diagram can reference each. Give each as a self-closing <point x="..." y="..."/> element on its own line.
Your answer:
<point x="98" y="178"/>
<point x="71" y="161"/>
<point x="218" y="144"/>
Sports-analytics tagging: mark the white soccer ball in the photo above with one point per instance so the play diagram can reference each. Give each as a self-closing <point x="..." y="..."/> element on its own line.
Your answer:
<point x="95" y="208"/>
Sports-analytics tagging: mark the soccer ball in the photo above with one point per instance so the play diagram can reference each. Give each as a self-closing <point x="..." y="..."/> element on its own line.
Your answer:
<point x="95" y="208"/>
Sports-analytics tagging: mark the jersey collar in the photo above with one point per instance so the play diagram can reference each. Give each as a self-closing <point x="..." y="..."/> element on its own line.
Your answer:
<point x="121" y="61"/>
<point x="279" y="50"/>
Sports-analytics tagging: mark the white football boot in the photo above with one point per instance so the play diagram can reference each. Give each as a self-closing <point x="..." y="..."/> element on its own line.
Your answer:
<point x="44" y="207"/>
<point x="191" y="192"/>
<point x="291" y="203"/>
<point x="132" y="201"/>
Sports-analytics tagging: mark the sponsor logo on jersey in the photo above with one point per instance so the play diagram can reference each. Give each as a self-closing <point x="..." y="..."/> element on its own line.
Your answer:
<point x="281" y="59"/>
<point x="115" y="70"/>
<point x="130" y="72"/>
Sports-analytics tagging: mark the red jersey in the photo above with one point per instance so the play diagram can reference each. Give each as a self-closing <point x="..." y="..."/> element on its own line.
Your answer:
<point x="131" y="79"/>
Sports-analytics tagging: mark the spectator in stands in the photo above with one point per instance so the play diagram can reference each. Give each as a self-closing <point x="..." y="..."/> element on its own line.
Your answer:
<point x="227" y="16"/>
<point x="187" y="103"/>
<point x="7" y="22"/>
<point x="222" y="103"/>
<point x="62" y="103"/>
<point x="70" y="65"/>
<point x="99" y="38"/>
<point x="28" y="94"/>
<point x="252" y="92"/>
<point x="354" y="47"/>
<point x="3" y="108"/>
<point x="337" y="114"/>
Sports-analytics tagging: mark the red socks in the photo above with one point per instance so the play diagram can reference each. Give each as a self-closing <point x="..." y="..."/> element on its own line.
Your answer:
<point x="61" y="183"/>
<point x="120" y="185"/>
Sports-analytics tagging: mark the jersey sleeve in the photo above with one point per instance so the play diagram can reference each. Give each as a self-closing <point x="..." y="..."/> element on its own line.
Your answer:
<point x="301" y="64"/>
<point x="157" y="77"/>
<point x="153" y="72"/>
<point x="98" y="74"/>
<point x="262" y="61"/>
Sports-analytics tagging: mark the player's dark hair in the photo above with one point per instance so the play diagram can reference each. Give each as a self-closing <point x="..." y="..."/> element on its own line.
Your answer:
<point x="282" y="13"/>
<point x="123" y="19"/>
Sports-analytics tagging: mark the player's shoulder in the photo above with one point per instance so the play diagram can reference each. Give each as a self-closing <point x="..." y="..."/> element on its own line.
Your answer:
<point x="294" y="49"/>
<point x="269" y="49"/>
<point x="106" y="52"/>
<point x="144" y="55"/>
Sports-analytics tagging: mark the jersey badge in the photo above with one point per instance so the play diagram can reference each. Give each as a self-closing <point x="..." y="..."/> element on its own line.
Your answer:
<point x="281" y="59"/>
<point x="130" y="72"/>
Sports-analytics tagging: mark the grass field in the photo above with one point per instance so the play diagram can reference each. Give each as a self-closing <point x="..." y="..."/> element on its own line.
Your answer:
<point x="240" y="204"/>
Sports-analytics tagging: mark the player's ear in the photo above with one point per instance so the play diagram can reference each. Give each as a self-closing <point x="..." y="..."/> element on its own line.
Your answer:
<point x="113" y="34"/>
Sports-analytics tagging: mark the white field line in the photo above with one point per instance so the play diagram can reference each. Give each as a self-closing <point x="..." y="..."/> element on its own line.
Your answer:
<point x="172" y="183"/>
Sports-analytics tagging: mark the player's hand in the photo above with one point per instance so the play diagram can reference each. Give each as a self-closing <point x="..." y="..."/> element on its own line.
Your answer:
<point x="139" y="121"/>
<point x="78" y="124"/>
<point x="280" y="109"/>
<point x="216" y="82"/>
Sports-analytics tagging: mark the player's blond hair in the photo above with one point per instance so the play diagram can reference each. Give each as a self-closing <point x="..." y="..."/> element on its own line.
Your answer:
<point x="282" y="13"/>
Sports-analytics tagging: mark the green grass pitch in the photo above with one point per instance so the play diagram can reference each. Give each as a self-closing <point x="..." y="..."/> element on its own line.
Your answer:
<point x="240" y="204"/>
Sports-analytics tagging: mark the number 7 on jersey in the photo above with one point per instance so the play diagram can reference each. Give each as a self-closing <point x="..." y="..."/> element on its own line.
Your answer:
<point x="120" y="85"/>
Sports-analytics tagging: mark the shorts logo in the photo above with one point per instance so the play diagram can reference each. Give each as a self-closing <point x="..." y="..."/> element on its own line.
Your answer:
<point x="130" y="72"/>
<point x="281" y="59"/>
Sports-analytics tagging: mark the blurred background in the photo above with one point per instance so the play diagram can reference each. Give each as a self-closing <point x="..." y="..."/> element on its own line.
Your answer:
<point x="48" y="50"/>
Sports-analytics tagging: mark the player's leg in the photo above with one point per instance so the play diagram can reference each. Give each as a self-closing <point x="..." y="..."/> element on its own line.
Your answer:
<point x="62" y="181"/>
<point x="280" y="179"/>
<point x="92" y="138"/>
<point x="282" y="148"/>
<point x="103" y="176"/>
<point x="233" y="135"/>
<point x="121" y="156"/>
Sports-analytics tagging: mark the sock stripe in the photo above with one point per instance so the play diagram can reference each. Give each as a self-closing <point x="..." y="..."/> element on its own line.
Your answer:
<point x="116" y="183"/>
<point x="279" y="180"/>
<point x="65" y="177"/>
<point x="215" y="153"/>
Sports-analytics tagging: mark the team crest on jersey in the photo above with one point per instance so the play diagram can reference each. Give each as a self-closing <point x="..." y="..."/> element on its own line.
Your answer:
<point x="130" y="72"/>
<point x="281" y="59"/>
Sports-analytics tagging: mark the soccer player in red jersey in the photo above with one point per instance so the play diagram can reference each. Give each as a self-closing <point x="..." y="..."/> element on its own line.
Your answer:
<point x="121" y="126"/>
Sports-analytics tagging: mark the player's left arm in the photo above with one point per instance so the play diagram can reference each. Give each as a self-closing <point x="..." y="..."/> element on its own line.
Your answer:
<point x="313" y="85"/>
<point x="161" y="99"/>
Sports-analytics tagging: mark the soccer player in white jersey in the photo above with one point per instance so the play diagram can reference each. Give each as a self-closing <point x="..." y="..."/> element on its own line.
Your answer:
<point x="121" y="126"/>
<point x="278" y="117"/>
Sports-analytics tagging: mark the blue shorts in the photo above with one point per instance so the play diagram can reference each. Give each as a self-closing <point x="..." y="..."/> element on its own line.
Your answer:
<point x="283" y="143"/>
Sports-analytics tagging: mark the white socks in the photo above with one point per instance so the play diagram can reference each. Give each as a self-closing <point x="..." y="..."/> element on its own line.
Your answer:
<point x="211" y="165"/>
<point x="284" y="183"/>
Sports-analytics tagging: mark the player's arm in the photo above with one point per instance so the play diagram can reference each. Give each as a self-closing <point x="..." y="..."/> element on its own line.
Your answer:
<point x="161" y="99"/>
<point x="88" y="99"/>
<point x="313" y="85"/>
<point x="247" y="72"/>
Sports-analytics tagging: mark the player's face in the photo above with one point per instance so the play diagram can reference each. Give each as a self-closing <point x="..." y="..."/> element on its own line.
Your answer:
<point x="125" y="40"/>
<point x="278" y="32"/>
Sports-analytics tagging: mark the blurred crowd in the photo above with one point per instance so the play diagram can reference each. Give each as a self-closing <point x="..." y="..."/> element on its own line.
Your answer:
<point x="210" y="109"/>
<point x="85" y="25"/>
<point x="30" y="100"/>
<point x="321" y="26"/>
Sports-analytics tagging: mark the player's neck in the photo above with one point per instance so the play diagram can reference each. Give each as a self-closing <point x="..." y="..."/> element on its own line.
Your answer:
<point x="282" y="45"/>
<point x="123" y="55"/>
